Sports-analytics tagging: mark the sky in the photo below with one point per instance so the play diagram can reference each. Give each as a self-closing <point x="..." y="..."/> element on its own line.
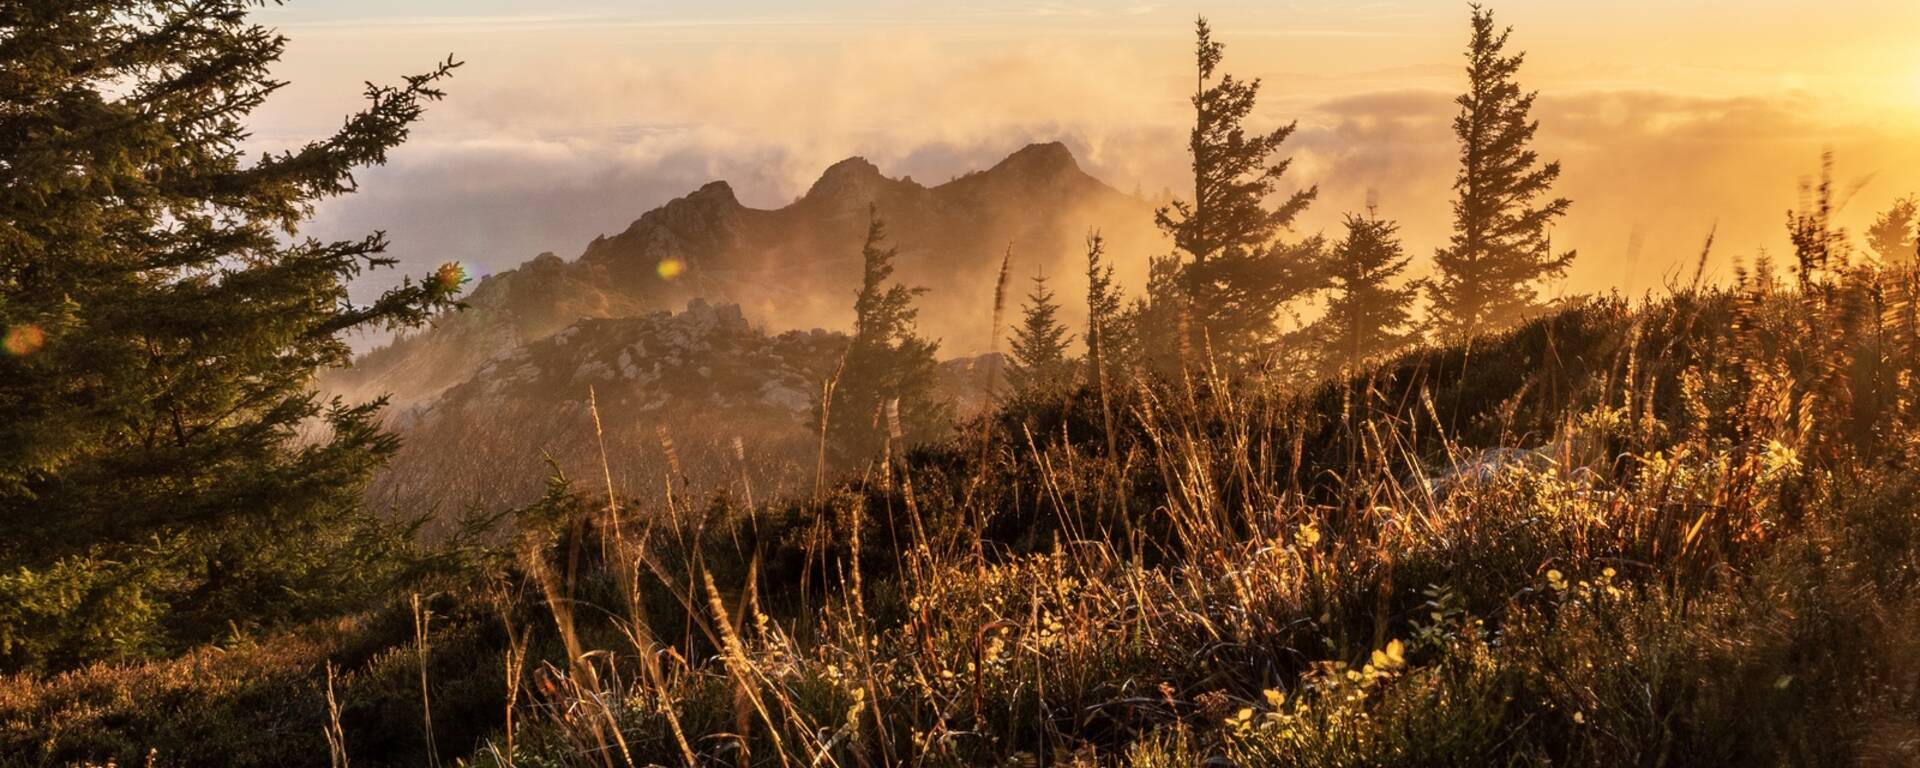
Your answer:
<point x="570" y="119"/>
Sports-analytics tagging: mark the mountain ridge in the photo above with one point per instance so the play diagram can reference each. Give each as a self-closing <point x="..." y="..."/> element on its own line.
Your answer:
<point x="791" y="267"/>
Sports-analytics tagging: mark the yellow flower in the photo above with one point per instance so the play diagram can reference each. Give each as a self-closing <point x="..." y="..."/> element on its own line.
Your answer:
<point x="1275" y="698"/>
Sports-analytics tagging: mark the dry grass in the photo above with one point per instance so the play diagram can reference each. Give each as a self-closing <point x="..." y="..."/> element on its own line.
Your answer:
<point x="1664" y="544"/>
<point x="1676" y="534"/>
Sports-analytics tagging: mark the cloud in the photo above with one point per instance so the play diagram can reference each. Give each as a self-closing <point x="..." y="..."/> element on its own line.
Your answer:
<point x="517" y="162"/>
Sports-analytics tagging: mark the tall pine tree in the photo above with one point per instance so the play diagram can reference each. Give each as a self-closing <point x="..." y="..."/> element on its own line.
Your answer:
<point x="164" y="321"/>
<point x="1368" y="316"/>
<point x="1039" y="364"/>
<point x="889" y="366"/>
<point x="1490" y="273"/>
<point x="1233" y="274"/>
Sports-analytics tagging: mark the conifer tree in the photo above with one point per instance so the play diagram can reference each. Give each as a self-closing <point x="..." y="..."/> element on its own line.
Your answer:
<point x="1039" y="363"/>
<point x="1368" y="317"/>
<point x="1234" y="276"/>
<point x="1895" y="235"/>
<point x="888" y="364"/>
<point x="163" y="322"/>
<point x="1160" y="318"/>
<point x="1109" y="336"/>
<point x="1500" y="252"/>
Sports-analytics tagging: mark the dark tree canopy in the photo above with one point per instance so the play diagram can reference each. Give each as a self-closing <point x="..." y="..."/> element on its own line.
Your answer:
<point x="165" y="319"/>
<point x="1234" y="275"/>
<point x="1501" y="250"/>
<point x="890" y="370"/>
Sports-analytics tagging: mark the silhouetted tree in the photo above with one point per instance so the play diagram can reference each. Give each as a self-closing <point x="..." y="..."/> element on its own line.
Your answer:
<point x="1894" y="237"/>
<point x="889" y="366"/>
<point x="1160" y="318"/>
<point x="1039" y="363"/>
<point x="1109" y="337"/>
<point x="164" y="321"/>
<point x="1368" y="317"/>
<point x="1235" y="277"/>
<point x="1501" y="251"/>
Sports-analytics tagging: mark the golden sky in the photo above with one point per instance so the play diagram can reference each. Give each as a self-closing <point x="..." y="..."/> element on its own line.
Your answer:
<point x="571" y="119"/>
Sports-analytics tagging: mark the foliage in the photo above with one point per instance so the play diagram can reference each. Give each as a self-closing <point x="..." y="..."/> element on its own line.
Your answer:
<point x="1501" y="249"/>
<point x="1894" y="238"/>
<point x="1367" y="316"/>
<point x="164" y="320"/>
<point x="883" y="392"/>
<point x="1040" y="363"/>
<point x="1234" y="277"/>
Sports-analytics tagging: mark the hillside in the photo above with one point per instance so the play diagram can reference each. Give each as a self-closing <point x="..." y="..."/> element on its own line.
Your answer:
<point x="1681" y="538"/>
<point x="787" y="268"/>
<point x="699" y="400"/>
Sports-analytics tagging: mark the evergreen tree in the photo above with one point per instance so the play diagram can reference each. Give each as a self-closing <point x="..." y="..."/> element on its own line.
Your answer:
<point x="1489" y="274"/>
<point x="1161" y="319"/>
<point x="1367" y="317"/>
<point x="1234" y="275"/>
<point x="887" y="362"/>
<point x="1894" y="237"/>
<point x="1109" y="337"/>
<point x="1039" y="364"/>
<point x="164" y="467"/>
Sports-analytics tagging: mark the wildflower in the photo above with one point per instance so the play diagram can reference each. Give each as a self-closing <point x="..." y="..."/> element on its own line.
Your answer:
<point x="853" y="711"/>
<point x="1275" y="698"/>
<point x="1307" y="536"/>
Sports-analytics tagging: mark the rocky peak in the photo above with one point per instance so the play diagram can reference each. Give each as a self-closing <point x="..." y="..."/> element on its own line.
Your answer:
<point x="1040" y="161"/>
<point x="854" y="179"/>
<point x="1044" y="170"/>
<point x="714" y="192"/>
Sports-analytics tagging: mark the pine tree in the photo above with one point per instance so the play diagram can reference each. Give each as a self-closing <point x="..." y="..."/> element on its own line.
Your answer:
<point x="1489" y="274"/>
<point x="1039" y="364"/>
<point x="1234" y="276"/>
<point x="164" y="321"/>
<point x="1161" y="319"/>
<point x="888" y="365"/>
<point x="1367" y="317"/>
<point x="1894" y="237"/>
<point x="1109" y="337"/>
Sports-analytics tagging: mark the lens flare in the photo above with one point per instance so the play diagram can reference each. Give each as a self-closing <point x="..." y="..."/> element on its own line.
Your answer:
<point x="670" y="268"/>
<point x="23" y="340"/>
<point x="450" y="276"/>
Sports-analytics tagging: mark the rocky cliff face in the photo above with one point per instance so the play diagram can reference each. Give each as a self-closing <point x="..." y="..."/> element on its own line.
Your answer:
<point x="793" y="267"/>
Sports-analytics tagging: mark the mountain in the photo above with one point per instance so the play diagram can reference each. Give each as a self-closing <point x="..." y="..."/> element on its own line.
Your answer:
<point x="792" y="267"/>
